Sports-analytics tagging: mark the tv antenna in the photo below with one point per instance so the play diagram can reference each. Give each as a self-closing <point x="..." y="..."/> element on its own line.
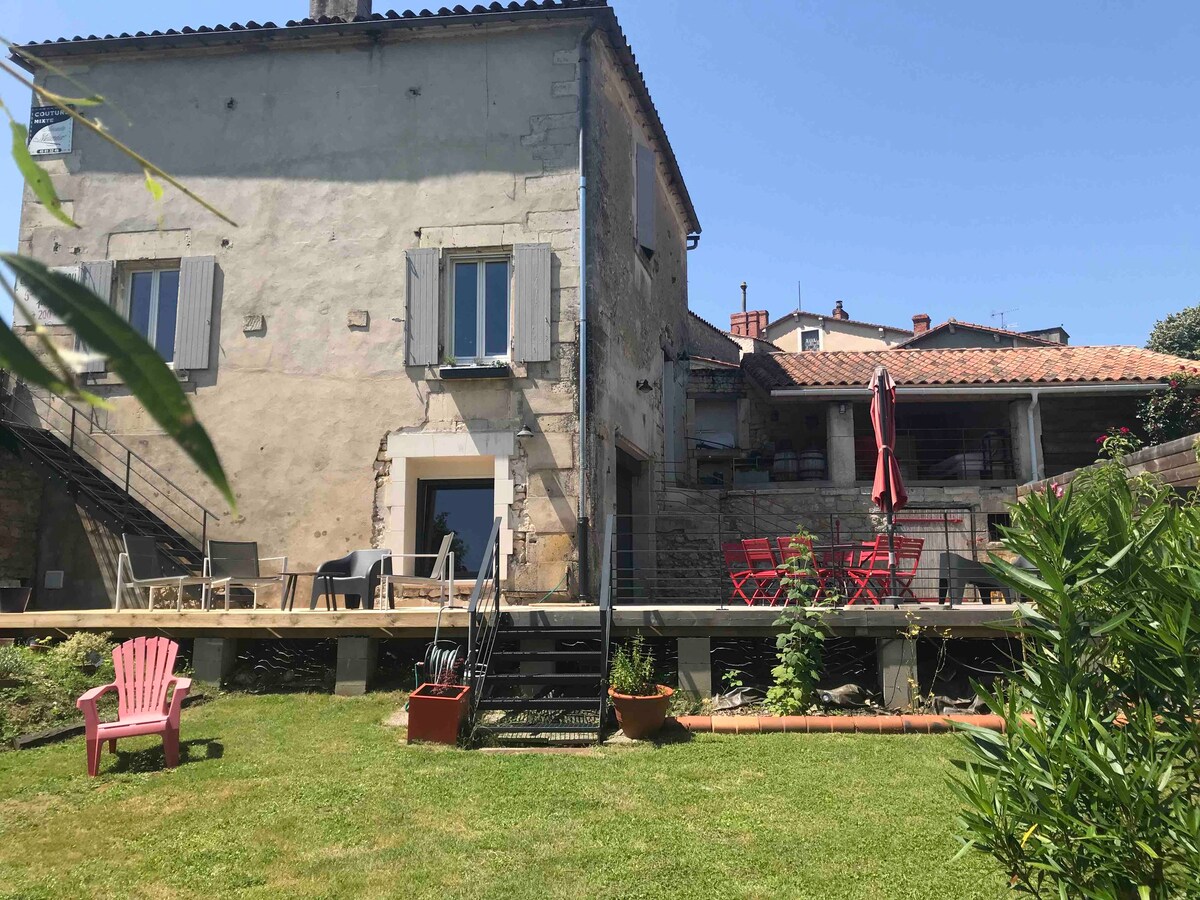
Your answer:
<point x="1001" y="314"/>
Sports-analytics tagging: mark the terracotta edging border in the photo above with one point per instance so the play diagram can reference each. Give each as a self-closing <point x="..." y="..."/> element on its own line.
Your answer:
<point x="916" y="724"/>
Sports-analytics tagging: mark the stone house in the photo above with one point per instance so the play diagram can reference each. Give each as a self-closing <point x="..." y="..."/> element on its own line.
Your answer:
<point x="457" y="287"/>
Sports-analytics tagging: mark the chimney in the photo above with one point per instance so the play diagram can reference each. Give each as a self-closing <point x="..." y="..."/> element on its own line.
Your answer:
<point x="920" y="323"/>
<point x="839" y="312"/>
<point x="339" y="9"/>
<point x="748" y="324"/>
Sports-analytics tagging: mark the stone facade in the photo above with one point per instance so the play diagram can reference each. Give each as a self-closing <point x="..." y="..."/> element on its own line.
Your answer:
<point x="335" y="156"/>
<point x="20" y="509"/>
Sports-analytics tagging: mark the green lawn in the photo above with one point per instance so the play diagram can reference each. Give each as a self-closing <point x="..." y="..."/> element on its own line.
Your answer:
<point x="310" y="795"/>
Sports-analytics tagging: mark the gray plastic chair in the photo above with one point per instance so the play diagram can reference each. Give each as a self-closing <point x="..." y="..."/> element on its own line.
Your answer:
<point x="231" y="564"/>
<point x="356" y="575"/>
<point x="143" y="564"/>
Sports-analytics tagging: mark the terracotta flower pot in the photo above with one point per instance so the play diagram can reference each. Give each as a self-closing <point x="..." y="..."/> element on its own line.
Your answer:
<point x="436" y="713"/>
<point x="640" y="717"/>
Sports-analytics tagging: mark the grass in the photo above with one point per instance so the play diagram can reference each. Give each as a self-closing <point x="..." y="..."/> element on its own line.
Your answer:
<point x="310" y="795"/>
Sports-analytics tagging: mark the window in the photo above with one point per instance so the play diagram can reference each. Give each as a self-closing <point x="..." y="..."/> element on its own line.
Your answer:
<point x="152" y="303"/>
<point x="479" y="310"/>
<point x="464" y="506"/>
<point x="810" y="339"/>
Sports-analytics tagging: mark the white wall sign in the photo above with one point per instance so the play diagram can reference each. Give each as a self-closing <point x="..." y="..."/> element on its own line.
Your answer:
<point x="50" y="131"/>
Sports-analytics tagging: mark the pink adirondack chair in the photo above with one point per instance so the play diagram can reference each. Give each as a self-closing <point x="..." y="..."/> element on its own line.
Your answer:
<point x="144" y="676"/>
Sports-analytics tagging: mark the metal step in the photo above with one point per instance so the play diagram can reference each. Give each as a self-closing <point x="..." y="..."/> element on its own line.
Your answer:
<point x="540" y="703"/>
<point x="543" y="677"/>
<point x="556" y="633"/>
<point x="534" y="728"/>
<point x="548" y="655"/>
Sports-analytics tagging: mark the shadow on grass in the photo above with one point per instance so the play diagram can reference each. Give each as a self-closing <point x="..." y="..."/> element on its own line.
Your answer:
<point x="151" y="759"/>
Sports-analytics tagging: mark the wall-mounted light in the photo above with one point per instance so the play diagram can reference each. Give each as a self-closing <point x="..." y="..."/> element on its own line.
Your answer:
<point x="644" y="386"/>
<point x="842" y="408"/>
<point x="524" y="432"/>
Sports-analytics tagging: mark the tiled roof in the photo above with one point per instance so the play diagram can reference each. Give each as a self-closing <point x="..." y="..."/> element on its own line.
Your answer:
<point x="235" y="32"/>
<point x="796" y="313"/>
<point x="998" y="366"/>
<point x="916" y="339"/>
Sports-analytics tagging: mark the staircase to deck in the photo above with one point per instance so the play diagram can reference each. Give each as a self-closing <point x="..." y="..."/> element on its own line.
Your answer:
<point x="116" y="486"/>
<point x="535" y="681"/>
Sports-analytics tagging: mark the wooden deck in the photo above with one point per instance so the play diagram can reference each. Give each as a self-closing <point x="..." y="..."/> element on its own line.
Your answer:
<point x="968" y="621"/>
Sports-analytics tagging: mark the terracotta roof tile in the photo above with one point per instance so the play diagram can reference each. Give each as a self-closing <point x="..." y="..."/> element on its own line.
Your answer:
<point x="998" y="366"/>
<point x="916" y="339"/>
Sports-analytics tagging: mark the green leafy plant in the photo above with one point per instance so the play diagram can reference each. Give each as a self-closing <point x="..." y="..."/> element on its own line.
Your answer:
<point x="130" y="355"/>
<point x="799" y="579"/>
<point x="1093" y="791"/>
<point x="1117" y="442"/>
<point x="14" y="662"/>
<point x="734" y="679"/>
<point x="632" y="669"/>
<point x="85" y="648"/>
<point x="1177" y="334"/>
<point x="801" y="647"/>
<point x="1174" y="412"/>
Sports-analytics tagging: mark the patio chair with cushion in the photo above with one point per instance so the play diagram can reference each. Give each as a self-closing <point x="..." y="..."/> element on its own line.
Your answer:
<point x="144" y="564"/>
<point x="355" y="575"/>
<point x="236" y="564"/>
<point x="441" y="574"/>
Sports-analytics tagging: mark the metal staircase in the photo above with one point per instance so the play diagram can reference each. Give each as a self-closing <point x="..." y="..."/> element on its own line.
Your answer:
<point x="115" y="485"/>
<point x="535" y="681"/>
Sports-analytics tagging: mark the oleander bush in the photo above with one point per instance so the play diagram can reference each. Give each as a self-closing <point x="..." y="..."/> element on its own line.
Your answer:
<point x="1094" y="790"/>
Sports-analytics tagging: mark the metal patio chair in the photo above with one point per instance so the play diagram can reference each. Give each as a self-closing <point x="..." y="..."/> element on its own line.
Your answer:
<point x="230" y="564"/>
<point x="871" y="576"/>
<point x="144" y="564"/>
<point x="764" y="571"/>
<point x="357" y="574"/>
<point x="442" y="573"/>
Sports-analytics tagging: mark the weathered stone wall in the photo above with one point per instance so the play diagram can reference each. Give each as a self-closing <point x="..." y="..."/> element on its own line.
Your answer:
<point x="20" y="509"/>
<point x="334" y="160"/>
<point x="703" y="339"/>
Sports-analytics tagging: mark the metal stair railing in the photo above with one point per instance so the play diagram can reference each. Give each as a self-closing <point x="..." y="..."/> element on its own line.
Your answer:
<point x="74" y="431"/>
<point x="483" y="617"/>
<point x="606" y="583"/>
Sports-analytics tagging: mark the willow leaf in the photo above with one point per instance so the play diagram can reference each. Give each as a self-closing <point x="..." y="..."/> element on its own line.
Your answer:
<point x="130" y="356"/>
<point x="35" y="176"/>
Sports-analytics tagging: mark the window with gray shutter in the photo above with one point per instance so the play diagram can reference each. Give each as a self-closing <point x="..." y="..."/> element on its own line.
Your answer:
<point x="98" y="278"/>
<point x="421" y="319"/>
<point x="193" y="327"/>
<point x="645" y="180"/>
<point x="531" y="302"/>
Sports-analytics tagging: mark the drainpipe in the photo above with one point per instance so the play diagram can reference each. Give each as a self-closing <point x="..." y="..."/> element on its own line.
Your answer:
<point x="1032" y="415"/>
<point x="581" y="532"/>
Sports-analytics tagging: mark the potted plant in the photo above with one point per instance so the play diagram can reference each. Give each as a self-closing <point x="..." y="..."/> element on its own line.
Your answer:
<point x="14" y="599"/>
<point x="641" y="702"/>
<point x="438" y="709"/>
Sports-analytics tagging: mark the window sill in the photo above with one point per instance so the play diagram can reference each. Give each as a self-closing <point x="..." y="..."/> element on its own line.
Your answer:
<point x="112" y="379"/>
<point x="457" y="373"/>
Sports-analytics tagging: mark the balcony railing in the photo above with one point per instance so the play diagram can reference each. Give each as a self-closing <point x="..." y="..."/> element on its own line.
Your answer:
<point x="943" y="454"/>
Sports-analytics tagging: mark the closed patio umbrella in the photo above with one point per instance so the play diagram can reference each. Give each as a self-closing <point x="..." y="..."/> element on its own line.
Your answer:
<point x="888" y="491"/>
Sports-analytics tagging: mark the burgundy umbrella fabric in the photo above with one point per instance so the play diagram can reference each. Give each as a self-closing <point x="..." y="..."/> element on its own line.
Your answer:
<point x="889" y="485"/>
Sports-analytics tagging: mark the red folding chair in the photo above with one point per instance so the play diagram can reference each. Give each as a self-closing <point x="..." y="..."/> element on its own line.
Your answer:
<point x="764" y="570"/>
<point x="798" y="553"/>
<point x="739" y="570"/>
<point x="871" y="575"/>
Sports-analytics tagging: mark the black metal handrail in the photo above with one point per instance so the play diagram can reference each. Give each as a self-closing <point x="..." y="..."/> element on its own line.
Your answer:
<point x="21" y="407"/>
<point x="483" y="616"/>
<point x="605" y="599"/>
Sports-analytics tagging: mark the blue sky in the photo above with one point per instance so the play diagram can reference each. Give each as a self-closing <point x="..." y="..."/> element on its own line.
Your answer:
<point x="950" y="158"/>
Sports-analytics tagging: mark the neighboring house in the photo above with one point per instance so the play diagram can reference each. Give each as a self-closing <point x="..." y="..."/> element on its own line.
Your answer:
<point x="401" y="299"/>
<point x="953" y="334"/>
<point x="802" y="331"/>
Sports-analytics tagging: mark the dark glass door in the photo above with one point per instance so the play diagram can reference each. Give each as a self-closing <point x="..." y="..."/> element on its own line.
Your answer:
<point x="464" y="506"/>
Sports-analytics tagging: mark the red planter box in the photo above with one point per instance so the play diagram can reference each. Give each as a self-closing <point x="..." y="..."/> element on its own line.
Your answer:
<point x="437" y="718"/>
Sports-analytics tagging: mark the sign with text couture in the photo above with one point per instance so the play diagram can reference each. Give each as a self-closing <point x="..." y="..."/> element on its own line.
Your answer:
<point x="50" y="131"/>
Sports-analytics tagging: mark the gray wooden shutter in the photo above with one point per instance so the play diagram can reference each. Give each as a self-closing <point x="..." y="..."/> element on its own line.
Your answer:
<point x="193" y="321"/>
<point x="98" y="278"/>
<point x="531" y="302"/>
<point x="421" y="320"/>
<point x="645" y="175"/>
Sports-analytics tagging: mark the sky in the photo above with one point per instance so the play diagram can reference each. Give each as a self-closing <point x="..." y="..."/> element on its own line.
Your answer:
<point x="1027" y="163"/>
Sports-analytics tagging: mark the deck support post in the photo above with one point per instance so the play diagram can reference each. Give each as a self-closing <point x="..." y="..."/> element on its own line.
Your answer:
<point x="356" y="660"/>
<point x="695" y="665"/>
<point x="213" y="659"/>
<point x="897" y="659"/>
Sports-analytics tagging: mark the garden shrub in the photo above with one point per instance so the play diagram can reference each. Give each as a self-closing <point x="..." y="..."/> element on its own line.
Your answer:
<point x="1094" y="789"/>
<point x="1173" y="412"/>
<point x="51" y="683"/>
<point x="801" y="651"/>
